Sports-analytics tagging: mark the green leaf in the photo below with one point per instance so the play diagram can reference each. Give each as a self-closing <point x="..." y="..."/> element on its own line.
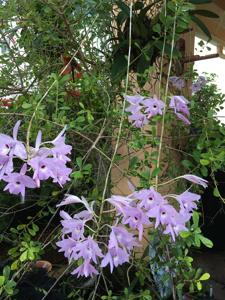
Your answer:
<point x="206" y="242"/>
<point x="195" y="218"/>
<point x="79" y="161"/>
<point x="204" y="171"/>
<point x="197" y="240"/>
<point x="2" y="280"/>
<point x="26" y="105"/>
<point x="204" y="162"/>
<point x="155" y="172"/>
<point x="31" y="255"/>
<point x="216" y="192"/>
<point x="157" y="28"/>
<point x="6" y="272"/>
<point x="205" y="13"/>
<point x="134" y="160"/>
<point x="35" y="227"/>
<point x="77" y="175"/>
<point x="14" y="265"/>
<point x="202" y="26"/>
<point x="199" y="285"/>
<point x="185" y="234"/>
<point x="31" y="232"/>
<point x="23" y="256"/>
<point x="205" y="276"/>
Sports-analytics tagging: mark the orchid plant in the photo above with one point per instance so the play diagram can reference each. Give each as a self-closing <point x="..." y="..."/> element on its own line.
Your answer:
<point x="134" y="213"/>
<point x="44" y="162"/>
<point x="98" y="238"/>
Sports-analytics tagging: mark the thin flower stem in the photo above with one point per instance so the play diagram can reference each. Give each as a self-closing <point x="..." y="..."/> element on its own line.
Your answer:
<point x="166" y="94"/>
<point x="121" y="122"/>
<point x="163" y="52"/>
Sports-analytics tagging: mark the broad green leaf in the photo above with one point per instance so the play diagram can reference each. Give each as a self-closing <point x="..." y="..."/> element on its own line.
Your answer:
<point x="197" y="240"/>
<point x="79" y="161"/>
<point x="216" y="192"/>
<point x="6" y="272"/>
<point x="31" y="232"/>
<point x="199" y="285"/>
<point x="2" y="280"/>
<point x="23" y="256"/>
<point x="205" y="276"/>
<point x="206" y="242"/>
<point x="77" y="175"/>
<point x="204" y="171"/>
<point x="26" y="105"/>
<point x="14" y="265"/>
<point x="185" y="234"/>
<point x="204" y="162"/>
<point x="195" y="218"/>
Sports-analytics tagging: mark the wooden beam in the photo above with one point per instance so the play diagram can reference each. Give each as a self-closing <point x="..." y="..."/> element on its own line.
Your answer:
<point x="199" y="57"/>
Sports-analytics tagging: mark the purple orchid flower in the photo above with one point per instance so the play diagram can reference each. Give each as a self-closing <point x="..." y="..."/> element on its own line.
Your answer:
<point x="134" y="100"/>
<point x="120" y="237"/>
<point x="39" y="151"/>
<point x="135" y="103"/>
<point x="46" y="167"/>
<point x="60" y="173"/>
<point x="87" y="249"/>
<point x="199" y="84"/>
<point x="6" y="165"/>
<point x="71" y="199"/>
<point x="66" y="245"/>
<point x="120" y="203"/>
<point x="148" y="198"/>
<point x="115" y="257"/>
<point x="180" y="106"/>
<point x="136" y="219"/>
<point x="177" y="82"/>
<point x="11" y="146"/>
<point x="187" y="201"/>
<point x="43" y="167"/>
<point x="72" y="225"/>
<point x="195" y="179"/>
<point x="86" y="269"/>
<point x="18" y="182"/>
<point x="138" y="119"/>
<point x="153" y="106"/>
<point x="175" y="227"/>
<point x="61" y="150"/>
<point x="162" y="213"/>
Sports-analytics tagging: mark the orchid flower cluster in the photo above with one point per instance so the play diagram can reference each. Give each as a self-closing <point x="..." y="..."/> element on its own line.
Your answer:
<point x="134" y="213"/>
<point x="44" y="162"/>
<point x="179" y="83"/>
<point x="143" y="109"/>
